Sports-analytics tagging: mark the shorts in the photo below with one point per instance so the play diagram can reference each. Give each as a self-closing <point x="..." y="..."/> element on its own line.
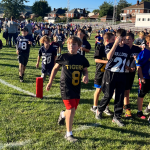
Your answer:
<point x="23" y="58"/>
<point x="98" y="82"/>
<point x="60" y="44"/>
<point x="129" y="80"/>
<point x="71" y="103"/>
<point x="143" y="88"/>
<point x="97" y="86"/>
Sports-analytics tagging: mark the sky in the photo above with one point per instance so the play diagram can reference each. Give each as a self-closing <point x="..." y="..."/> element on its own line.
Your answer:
<point x="90" y="4"/>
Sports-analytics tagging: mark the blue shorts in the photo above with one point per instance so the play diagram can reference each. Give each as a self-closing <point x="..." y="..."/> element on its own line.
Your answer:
<point x="97" y="86"/>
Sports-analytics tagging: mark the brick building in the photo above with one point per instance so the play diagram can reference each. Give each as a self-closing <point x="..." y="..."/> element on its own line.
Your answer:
<point x="129" y="13"/>
<point x="106" y="18"/>
<point x="57" y="12"/>
<point x="76" y="13"/>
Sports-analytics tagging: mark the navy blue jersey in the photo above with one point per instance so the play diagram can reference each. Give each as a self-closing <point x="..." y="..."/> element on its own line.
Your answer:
<point x="22" y="43"/>
<point x="71" y="32"/>
<point x="85" y="44"/>
<point x="134" y="51"/>
<point x="143" y="60"/>
<point x="60" y="37"/>
<point x="48" y="57"/>
<point x="118" y="61"/>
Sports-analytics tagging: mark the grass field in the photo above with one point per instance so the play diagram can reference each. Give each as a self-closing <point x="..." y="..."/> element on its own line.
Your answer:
<point x="29" y="123"/>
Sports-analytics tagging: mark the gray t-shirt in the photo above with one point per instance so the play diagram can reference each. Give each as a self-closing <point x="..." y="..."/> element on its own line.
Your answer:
<point x="29" y="27"/>
<point x="12" y="26"/>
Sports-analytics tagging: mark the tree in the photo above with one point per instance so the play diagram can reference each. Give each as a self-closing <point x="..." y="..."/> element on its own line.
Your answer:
<point x="95" y="11"/>
<point x="13" y="7"/>
<point x="145" y="0"/>
<point x="40" y="8"/>
<point x="121" y="4"/>
<point x="106" y="9"/>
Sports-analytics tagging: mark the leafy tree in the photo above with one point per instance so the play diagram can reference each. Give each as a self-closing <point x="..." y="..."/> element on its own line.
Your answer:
<point x="13" y="7"/>
<point x="95" y="11"/>
<point x="121" y="4"/>
<point x="145" y="0"/>
<point x="40" y="8"/>
<point x="39" y="19"/>
<point x="106" y="9"/>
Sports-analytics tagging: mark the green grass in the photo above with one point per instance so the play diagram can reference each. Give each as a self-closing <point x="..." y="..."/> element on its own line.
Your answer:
<point x="23" y="117"/>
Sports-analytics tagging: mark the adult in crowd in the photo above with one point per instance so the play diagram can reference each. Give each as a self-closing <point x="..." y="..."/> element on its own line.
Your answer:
<point x="5" y="30"/>
<point x="89" y="29"/>
<point x="29" y="27"/>
<point x="0" y="25"/>
<point x="12" y="30"/>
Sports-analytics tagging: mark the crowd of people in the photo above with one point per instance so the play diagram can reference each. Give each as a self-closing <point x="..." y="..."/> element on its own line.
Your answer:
<point x="118" y="55"/>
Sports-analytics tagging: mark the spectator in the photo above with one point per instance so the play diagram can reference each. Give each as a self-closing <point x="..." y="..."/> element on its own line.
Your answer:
<point x="29" y="27"/>
<point x="12" y="30"/>
<point x="5" y="30"/>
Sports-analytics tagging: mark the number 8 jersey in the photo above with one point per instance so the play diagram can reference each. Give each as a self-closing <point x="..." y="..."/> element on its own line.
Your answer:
<point x="22" y="43"/>
<point x="118" y="61"/>
<point x="72" y="69"/>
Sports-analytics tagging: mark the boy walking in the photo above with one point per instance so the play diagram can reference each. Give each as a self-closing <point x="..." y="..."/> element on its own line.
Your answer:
<point x="143" y="68"/>
<point x="23" y="49"/>
<point x="73" y="66"/>
<point x="114" y="77"/>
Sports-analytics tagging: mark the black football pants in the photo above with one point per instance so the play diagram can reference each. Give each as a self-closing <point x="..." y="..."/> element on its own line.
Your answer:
<point x="113" y="81"/>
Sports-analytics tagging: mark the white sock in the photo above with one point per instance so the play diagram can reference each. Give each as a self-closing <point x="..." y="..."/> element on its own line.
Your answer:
<point x="148" y="107"/>
<point x="69" y="133"/>
<point x="62" y="114"/>
<point x="94" y="106"/>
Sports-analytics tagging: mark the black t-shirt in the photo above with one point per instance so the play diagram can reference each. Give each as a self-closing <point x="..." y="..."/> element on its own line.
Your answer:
<point x="72" y="69"/>
<point x="118" y="61"/>
<point x="86" y="45"/>
<point x="134" y="51"/>
<point x="100" y="67"/>
<point x="71" y="32"/>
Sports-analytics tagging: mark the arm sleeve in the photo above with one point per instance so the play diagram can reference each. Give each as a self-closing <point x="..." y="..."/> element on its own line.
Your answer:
<point x="86" y="63"/>
<point x="40" y="52"/>
<point x="108" y="48"/>
<point x="98" y="53"/>
<point x="60" y="60"/>
<point x="140" y="59"/>
<point x="88" y="45"/>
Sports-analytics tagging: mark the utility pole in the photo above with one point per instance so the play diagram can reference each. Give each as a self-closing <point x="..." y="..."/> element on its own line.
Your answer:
<point x="68" y="8"/>
<point x="115" y="12"/>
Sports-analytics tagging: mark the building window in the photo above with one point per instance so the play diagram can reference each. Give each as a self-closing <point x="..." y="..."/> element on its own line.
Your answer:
<point x="144" y="19"/>
<point x="127" y="11"/>
<point x="147" y="11"/>
<point x="130" y="10"/>
<point x="139" y="11"/>
<point x="135" y="10"/>
<point x="148" y="19"/>
<point x="138" y="19"/>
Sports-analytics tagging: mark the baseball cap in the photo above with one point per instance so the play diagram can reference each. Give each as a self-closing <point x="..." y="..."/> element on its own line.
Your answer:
<point x="24" y="29"/>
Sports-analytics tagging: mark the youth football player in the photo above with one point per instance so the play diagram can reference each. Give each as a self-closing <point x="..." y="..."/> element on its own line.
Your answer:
<point x="101" y="61"/>
<point x="130" y="72"/>
<point x="73" y="66"/>
<point x="48" y="54"/>
<point x="85" y="44"/>
<point x="143" y="68"/>
<point x="23" y="49"/>
<point x="114" y="77"/>
<point x="61" y="40"/>
<point x="55" y="44"/>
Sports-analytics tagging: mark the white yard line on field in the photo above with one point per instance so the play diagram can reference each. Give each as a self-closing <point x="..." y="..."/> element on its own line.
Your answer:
<point x="32" y="94"/>
<point x="16" y="88"/>
<point x="85" y="127"/>
<point x="14" y="144"/>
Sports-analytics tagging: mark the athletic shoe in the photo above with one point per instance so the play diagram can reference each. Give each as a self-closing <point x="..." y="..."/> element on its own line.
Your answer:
<point x="98" y="115"/>
<point x="118" y="122"/>
<point x="71" y="138"/>
<point x="108" y="112"/>
<point x="21" y="79"/>
<point x="128" y="113"/>
<point x="93" y="109"/>
<point x="61" y="121"/>
<point x="140" y="115"/>
<point x="149" y="119"/>
<point x="146" y="111"/>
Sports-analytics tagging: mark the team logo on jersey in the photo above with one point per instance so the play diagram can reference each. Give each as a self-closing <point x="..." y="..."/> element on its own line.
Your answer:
<point x="75" y="67"/>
